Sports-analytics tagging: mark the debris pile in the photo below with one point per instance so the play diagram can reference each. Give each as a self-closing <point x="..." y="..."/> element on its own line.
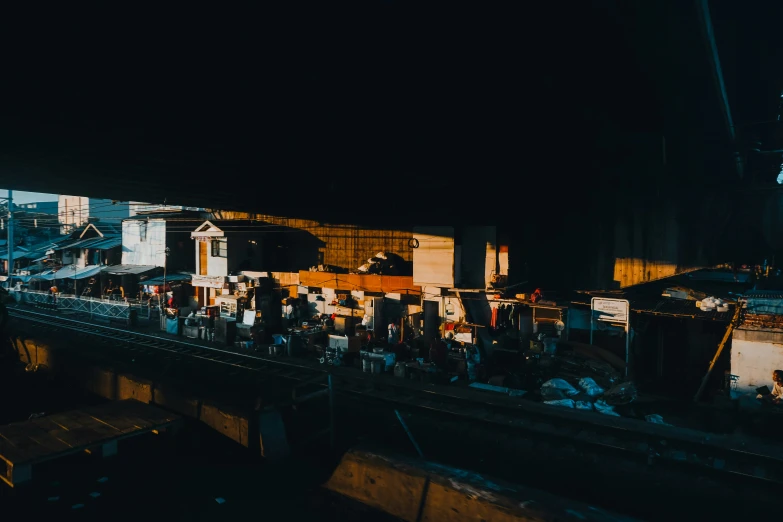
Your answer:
<point x="710" y="304"/>
<point x="589" y="396"/>
<point x="383" y="263"/>
<point x="324" y="268"/>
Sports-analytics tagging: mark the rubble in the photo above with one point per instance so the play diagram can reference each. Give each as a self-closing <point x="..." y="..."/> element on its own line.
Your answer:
<point x="587" y="395"/>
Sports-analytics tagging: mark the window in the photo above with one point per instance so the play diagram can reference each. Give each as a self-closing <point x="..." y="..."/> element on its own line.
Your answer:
<point x="219" y="248"/>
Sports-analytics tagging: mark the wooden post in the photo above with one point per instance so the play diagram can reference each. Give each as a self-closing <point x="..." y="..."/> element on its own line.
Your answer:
<point x="733" y="324"/>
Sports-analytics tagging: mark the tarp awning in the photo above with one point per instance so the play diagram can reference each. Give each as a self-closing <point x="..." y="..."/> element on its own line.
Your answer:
<point x="73" y="272"/>
<point x="45" y="276"/>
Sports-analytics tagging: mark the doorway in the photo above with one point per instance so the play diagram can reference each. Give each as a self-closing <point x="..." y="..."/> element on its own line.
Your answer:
<point x="431" y="319"/>
<point x="202" y="258"/>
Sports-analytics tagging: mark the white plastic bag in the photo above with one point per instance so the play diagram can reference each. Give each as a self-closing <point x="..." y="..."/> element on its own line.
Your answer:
<point x="606" y="409"/>
<point x="590" y="387"/>
<point x="584" y="405"/>
<point x="654" y="418"/>
<point x="560" y="384"/>
<point x="566" y="403"/>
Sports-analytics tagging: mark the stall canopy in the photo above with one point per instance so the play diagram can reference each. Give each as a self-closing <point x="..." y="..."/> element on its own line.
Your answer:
<point x="69" y="272"/>
<point x="14" y="278"/>
<point x="170" y="278"/>
<point x="48" y="275"/>
<point x="121" y="270"/>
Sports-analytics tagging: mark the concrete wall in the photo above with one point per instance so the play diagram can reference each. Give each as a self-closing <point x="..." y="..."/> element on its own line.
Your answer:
<point x="413" y="490"/>
<point x="263" y="430"/>
<point x="340" y="245"/>
<point x="434" y="259"/>
<point x="755" y="354"/>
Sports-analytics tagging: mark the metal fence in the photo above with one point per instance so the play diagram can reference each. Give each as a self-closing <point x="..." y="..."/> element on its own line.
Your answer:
<point x="94" y="307"/>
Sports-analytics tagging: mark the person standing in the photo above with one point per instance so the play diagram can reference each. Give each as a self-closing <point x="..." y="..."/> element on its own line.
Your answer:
<point x="394" y="333"/>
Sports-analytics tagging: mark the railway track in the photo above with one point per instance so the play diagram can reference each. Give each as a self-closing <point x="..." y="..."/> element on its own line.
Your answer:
<point x="589" y="432"/>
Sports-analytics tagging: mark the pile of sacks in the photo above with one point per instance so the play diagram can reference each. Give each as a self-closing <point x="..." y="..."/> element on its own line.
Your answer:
<point x="712" y="304"/>
<point x="383" y="263"/>
<point x="590" y="396"/>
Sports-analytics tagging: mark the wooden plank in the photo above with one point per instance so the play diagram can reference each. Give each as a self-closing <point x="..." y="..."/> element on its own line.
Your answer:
<point x="54" y="430"/>
<point x="25" y="447"/>
<point x="46" y="423"/>
<point x="80" y="437"/>
<point x="65" y="421"/>
<point x="27" y="443"/>
<point x="49" y="443"/>
<point x="89" y="423"/>
<point x="39" y="433"/>
<point x="122" y="424"/>
<point x="84" y="427"/>
<point x="8" y="452"/>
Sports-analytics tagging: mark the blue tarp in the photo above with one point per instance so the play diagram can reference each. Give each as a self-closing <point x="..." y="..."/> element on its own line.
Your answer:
<point x="172" y="326"/>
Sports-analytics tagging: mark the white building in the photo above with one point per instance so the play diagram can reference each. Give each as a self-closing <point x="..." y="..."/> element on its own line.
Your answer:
<point x="145" y="239"/>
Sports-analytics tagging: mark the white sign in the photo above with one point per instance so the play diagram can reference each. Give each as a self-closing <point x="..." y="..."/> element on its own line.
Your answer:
<point x="610" y="310"/>
<point x="208" y="281"/>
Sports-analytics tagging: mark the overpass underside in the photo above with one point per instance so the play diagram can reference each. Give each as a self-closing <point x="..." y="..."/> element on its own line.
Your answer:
<point x="620" y="150"/>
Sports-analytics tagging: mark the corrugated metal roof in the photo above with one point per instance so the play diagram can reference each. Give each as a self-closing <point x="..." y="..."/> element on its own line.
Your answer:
<point x="68" y="244"/>
<point x="170" y="278"/>
<point x="97" y="243"/>
<point x="763" y="294"/>
<point x="679" y="308"/>
<point x="101" y="243"/>
<point x="47" y="275"/>
<point x="128" y="269"/>
<point x="69" y="272"/>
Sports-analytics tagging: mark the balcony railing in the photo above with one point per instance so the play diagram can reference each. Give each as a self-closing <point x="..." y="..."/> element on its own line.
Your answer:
<point x="92" y="306"/>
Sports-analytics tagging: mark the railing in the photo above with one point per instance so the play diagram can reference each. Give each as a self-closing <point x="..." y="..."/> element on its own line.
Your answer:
<point x="92" y="306"/>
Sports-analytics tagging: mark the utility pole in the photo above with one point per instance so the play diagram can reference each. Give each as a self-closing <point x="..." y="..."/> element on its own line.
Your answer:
<point x="10" y="234"/>
<point x="166" y="252"/>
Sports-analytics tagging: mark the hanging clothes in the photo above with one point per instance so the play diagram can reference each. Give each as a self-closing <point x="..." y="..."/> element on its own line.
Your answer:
<point x="494" y="321"/>
<point x="506" y="315"/>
